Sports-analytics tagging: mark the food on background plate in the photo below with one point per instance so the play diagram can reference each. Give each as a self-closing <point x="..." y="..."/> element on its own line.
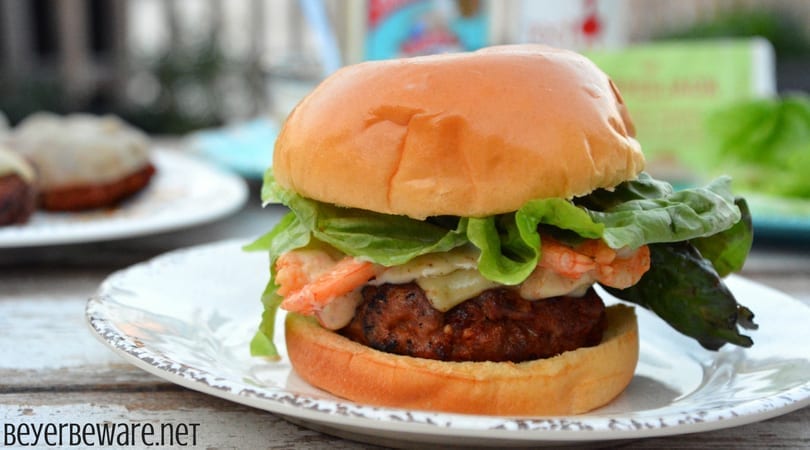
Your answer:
<point x="449" y="217"/>
<point x="18" y="191"/>
<point x="83" y="161"/>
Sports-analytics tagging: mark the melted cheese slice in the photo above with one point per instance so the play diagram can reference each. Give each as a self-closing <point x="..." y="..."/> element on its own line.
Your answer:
<point x="452" y="277"/>
<point x="80" y="149"/>
<point x="431" y="265"/>
<point x="447" y="291"/>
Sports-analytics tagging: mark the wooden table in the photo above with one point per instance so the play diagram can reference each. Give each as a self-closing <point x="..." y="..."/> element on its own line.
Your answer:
<point x="53" y="370"/>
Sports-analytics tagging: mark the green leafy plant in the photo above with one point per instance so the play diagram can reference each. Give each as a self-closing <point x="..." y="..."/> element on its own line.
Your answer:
<point x="764" y="144"/>
<point x="639" y="212"/>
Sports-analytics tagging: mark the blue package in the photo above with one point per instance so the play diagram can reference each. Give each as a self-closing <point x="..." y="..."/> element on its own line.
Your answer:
<point x="406" y="28"/>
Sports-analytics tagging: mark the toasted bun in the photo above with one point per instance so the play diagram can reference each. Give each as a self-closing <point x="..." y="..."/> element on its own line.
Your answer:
<point x="470" y="134"/>
<point x="571" y="383"/>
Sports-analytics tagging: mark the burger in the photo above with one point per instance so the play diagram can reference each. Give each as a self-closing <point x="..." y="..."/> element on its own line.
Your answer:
<point x="450" y="218"/>
<point x="18" y="188"/>
<point x="83" y="161"/>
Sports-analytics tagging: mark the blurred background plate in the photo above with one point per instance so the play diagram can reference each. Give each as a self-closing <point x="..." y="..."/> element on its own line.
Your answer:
<point x="184" y="192"/>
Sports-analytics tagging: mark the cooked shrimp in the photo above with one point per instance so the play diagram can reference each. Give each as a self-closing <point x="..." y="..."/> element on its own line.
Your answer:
<point x="598" y="250"/>
<point x="298" y="268"/>
<point x="596" y="259"/>
<point x="564" y="260"/>
<point x="625" y="272"/>
<point x="338" y="280"/>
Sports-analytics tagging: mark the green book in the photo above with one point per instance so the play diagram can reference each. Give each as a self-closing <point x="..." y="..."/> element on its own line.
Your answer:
<point x="671" y="86"/>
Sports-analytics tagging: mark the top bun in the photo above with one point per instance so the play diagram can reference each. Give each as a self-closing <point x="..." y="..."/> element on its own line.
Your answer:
<point x="470" y="134"/>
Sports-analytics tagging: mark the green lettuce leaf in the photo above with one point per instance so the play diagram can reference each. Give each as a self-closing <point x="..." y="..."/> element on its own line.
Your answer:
<point x="288" y="234"/>
<point x="652" y="212"/>
<point x="262" y="343"/>
<point x="271" y="191"/>
<point x="728" y="249"/>
<point x="383" y="238"/>
<point x="639" y="212"/>
<point x="643" y="187"/>
<point x="635" y="213"/>
<point x="510" y="243"/>
<point x="683" y="288"/>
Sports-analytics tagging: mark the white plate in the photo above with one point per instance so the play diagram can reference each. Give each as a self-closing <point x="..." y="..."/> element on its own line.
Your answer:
<point x="184" y="192"/>
<point x="187" y="316"/>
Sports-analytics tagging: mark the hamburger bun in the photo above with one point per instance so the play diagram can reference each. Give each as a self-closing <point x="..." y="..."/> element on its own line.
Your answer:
<point x="472" y="134"/>
<point x="570" y="383"/>
<point x="469" y="135"/>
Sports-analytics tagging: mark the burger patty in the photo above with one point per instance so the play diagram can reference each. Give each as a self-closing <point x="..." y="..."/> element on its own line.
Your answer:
<point x="17" y="200"/>
<point x="79" y="198"/>
<point x="497" y="325"/>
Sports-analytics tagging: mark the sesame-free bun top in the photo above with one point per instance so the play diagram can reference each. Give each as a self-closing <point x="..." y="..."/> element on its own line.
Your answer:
<point x="469" y="134"/>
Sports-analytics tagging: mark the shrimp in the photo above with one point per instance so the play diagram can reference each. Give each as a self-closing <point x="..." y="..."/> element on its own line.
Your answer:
<point x="596" y="259"/>
<point x="598" y="250"/>
<point x="625" y="272"/>
<point x="564" y="260"/>
<point x="298" y="268"/>
<point x="309" y="282"/>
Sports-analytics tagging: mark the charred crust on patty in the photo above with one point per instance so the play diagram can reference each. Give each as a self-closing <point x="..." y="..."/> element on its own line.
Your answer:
<point x="496" y="325"/>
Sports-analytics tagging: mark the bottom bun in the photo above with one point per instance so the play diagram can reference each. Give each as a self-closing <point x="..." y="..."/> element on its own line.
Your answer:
<point x="570" y="383"/>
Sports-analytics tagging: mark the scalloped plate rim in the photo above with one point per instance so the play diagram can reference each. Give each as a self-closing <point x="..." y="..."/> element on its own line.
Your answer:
<point x="429" y="426"/>
<point x="73" y="228"/>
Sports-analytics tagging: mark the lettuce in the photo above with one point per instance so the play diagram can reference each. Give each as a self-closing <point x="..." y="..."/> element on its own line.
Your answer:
<point x="652" y="212"/>
<point x="639" y="212"/>
<point x="510" y="243"/>
<point x="287" y="235"/>
<point x="764" y="144"/>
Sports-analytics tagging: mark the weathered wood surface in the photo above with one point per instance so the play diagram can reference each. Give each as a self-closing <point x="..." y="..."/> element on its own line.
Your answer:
<point x="53" y="370"/>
